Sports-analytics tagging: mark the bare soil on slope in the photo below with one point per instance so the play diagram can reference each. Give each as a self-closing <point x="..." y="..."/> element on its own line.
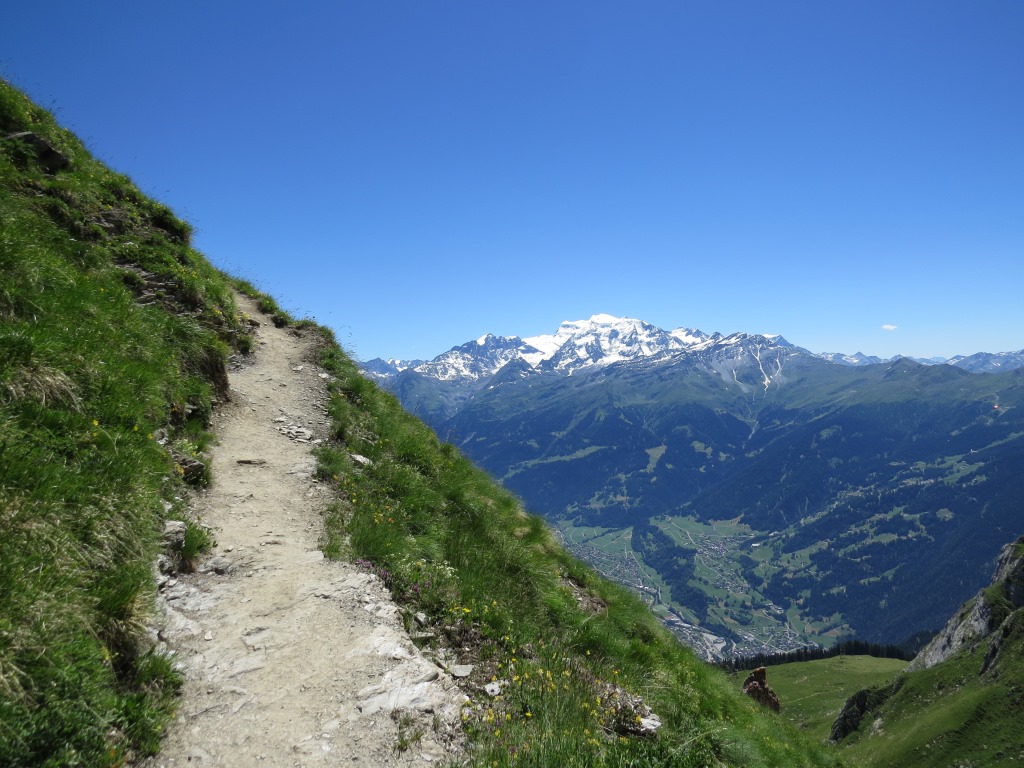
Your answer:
<point x="290" y="659"/>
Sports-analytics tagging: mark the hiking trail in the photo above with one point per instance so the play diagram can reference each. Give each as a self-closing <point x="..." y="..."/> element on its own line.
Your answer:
<point x="289" y="659"/>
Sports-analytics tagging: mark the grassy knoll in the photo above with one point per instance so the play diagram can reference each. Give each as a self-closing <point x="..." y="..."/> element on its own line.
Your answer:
<point x="813" y="692"/>
<point x="113" y="335"/>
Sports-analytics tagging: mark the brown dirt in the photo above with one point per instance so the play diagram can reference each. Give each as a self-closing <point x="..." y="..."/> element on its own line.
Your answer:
<point x="290" y="659"/>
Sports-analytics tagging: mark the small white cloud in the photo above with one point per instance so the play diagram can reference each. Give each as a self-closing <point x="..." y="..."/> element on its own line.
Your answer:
<point x="888" y="327"/>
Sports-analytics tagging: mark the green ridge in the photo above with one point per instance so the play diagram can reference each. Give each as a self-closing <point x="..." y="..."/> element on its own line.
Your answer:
<point x="951" y="714"/>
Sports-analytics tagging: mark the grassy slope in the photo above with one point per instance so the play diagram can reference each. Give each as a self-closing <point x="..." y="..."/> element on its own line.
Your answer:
<point x="571" y="649"/>
<point x="89" y="381"/>
<point x="951" y="715"/>
<point x="813" y="692"/>
<point x="112" y="332"/>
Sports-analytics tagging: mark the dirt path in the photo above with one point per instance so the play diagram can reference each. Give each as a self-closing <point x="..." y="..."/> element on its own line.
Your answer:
<point x="291" y="660"/>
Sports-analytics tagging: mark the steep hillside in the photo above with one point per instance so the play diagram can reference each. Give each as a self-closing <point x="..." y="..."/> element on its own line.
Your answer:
<point x="962" y="699"/>
<point x="814" y="692"/>
<point x="114" y="337"/>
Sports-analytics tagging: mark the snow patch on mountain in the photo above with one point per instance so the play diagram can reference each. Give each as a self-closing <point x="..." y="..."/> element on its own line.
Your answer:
<point x="989" y="362"/>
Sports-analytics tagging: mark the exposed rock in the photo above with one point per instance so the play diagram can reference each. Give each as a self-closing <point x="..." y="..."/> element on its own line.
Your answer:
<point x="174" y="535"/>
<point x="971" y="623"/>
<point x="859" y="706"/>
<point x="1010" y="571"/>
<point x="629" y="713"/>
<point x="192" y="469"/>
<point x="978" y="618"/>
<point x="295" y="432"/>
<point x="586" y="600"/>
<point x="412" y="686"/>
<point x="462" y="670"/>
<point x="50" y="158"/>
<point x="1012" y="625"/>
<point x="218" y="565"/>
<point x="359" y="459"/>
<point x="756" y="687"/>
<point x="165" y="565"/>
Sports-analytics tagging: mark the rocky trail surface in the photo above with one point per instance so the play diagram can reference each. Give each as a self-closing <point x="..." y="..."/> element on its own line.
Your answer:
<point x="290" y="659"/>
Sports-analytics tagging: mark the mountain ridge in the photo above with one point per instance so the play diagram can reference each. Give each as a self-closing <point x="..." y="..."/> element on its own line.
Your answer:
<point x="605" y="339"/>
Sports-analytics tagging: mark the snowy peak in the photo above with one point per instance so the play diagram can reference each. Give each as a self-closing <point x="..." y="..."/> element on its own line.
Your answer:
<point x="858" y="358"/>
<point x="601" y="340"/>
<point x="577" y="344"/>
<point x="378" y="368"/>
<point x="477" y="359"/>
<point x="989" y="362"/>
<point x="604" y="339"/>
<point x="690" y="337"/>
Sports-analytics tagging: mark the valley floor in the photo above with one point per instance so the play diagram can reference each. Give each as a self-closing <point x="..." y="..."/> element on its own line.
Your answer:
<point x="290" y="659"/>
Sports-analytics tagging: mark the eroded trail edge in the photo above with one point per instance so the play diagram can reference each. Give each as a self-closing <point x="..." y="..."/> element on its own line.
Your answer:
<point x="290" y="659"/>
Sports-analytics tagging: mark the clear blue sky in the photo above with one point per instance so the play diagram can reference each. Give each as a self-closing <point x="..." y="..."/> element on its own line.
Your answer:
<point x="415" y="174"/>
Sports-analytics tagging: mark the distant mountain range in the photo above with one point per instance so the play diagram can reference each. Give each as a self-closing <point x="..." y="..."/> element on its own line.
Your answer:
<point x="605" y="339"/>
<point x="760" y="495"/>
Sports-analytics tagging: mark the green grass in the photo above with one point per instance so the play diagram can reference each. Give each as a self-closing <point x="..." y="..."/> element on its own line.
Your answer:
<point x="451" y="543"/>
<point x="813" y="692"/>
<point x="950" y="714"/>
<point x="113" y="333"/>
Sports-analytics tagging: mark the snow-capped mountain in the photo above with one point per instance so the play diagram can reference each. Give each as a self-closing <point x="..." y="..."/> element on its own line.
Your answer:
<point x="858" y="358"/>
<point x="475" y="359"/>
<point x="989" y="362"/>
<point x="605" y="339"/>
<point x="612" y="423"/>
<point x="577" y="344"/>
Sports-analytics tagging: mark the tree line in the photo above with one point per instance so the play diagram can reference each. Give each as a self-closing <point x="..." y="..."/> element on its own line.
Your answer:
<point x="813" y="652"/>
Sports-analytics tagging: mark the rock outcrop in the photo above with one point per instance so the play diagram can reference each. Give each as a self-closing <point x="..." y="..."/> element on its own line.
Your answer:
<point x="982" y="615"/>
<point x="859" y="706"/>
<point x="756" y="687"/>
<point x="50" y="159"/>
<point x="992" y="616"/>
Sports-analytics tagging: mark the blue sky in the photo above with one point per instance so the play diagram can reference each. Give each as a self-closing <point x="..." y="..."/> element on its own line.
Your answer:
<point x="417" y="174"/>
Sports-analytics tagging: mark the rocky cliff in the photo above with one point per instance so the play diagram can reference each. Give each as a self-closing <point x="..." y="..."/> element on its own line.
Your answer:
<point x="982" y="615"/>
<point x="981" y="642"/>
